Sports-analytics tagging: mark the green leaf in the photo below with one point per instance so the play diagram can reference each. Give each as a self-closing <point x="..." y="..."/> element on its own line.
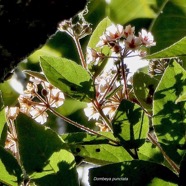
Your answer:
<point x="2" y="127"/>
<point x="123" y="11"/>
<point x="85" y="138"/>
<point x="1" y="101"/>
<point x="136" y="172"/>
<point x="71" y="106"/>
<point x="144" y="87"/>
<point x="150" y="152"/>
<point x="181" y="98"/>
<point x="130" y="124"/>
<point x="44" y="154"/>
<point x="169" y="27"/>
<point x="100" y="154"/>
<point x="9" y="95"/>
<point x="98" y="32"/>
<point x="94" y="149"/>
<point x="175" y="50"/>
<point x="68" y="76"/>
<point x="11" y="172"/>
<point x="169" y="118"/>
<point x="59" y="169"/>
<point x="35" y="74"/>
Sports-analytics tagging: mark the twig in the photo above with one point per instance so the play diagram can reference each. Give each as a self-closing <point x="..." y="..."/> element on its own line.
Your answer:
<point x="171" y="163"/>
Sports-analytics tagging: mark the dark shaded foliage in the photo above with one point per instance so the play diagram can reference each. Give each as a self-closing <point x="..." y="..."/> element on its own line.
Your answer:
<point x="27" y="24"/>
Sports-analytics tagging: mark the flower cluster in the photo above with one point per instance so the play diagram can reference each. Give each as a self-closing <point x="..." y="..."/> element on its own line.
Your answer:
<point x="78" y="30"/>
<point x="11" y="139"/>
<point x="109" y="94"/>
<point x="34" y="104"/>
<point x="119" y="38"/>
<point x="111" y="84"/>
<point x="158" y="66"/>
<point x="122" y="41"/>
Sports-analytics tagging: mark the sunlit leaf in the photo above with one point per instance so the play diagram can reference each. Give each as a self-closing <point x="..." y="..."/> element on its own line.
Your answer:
<point x="181" y="98"/>
<point x="169" y="118"/>
<point x="9" y="95"/>
<point x="175" y="50"/>
<point x="130" y="124"/>
<point x="2" y="127"/>
<point x="150" y="152"/>
<point x="68" y="76"/>
<point x="59" y="169"/>
<point x="44" y="154"/>
<point x="144" y="87"/>
<point x="99" y="31"/>
<point x="96" y="149"/>
<point x="136" y="172"/>
<point x="1" y="101"/>
<point x="2" y="118"/>
<point x="84" y="137"/>
<point x="11" y="172"/>
<point x="100" y="153"/>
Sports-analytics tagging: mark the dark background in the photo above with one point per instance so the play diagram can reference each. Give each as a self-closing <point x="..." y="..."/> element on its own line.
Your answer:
<point x="27" y="24"/>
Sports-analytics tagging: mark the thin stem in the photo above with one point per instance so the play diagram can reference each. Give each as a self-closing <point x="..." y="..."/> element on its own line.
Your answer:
<point x="81" y="126"/>
<point x="171" y="163"/>
<point x="110" y="86"/>
<point x="80" y="52"/>
<point x="90" y="131"/>
<point x="107" y="121"/>
<point x="124" y="78"/>
<point x="158" y="13"/>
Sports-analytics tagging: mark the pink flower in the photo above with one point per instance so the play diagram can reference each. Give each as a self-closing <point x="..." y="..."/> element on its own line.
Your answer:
<point x="104" y="40"/>
<point x="146" y="38"/>
<point x="111" y="35"/>
<point x="114" y="32"/>
<point x="129" y="31"/>
<point x="94" y="56"/>
<point x="132" y="42"/>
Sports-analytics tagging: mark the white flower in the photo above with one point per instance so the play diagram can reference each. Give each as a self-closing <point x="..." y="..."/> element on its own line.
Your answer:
<point x="103" y="127"/>
<point x="56" y="98"/>
<point x="111" y="35"/>
<point x="35" y="80"/>
<point x="132" y="42"/>
<point x="38" y="113"/>
<point x="110" y="111"/>
<point x="11" y="112"/>
<point x="111" y="105"/>
<point x="104" y="40"/>
<point x="91" y="112"/>
<point x="102" y="84"/>
<point x="147" y="38"/>
<point x="31" y="89"/>
<point x="94" y="56"/>
<point x="114" y="32"/>
<point x="25" y="104"/>
<point x="129" y="31"/>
